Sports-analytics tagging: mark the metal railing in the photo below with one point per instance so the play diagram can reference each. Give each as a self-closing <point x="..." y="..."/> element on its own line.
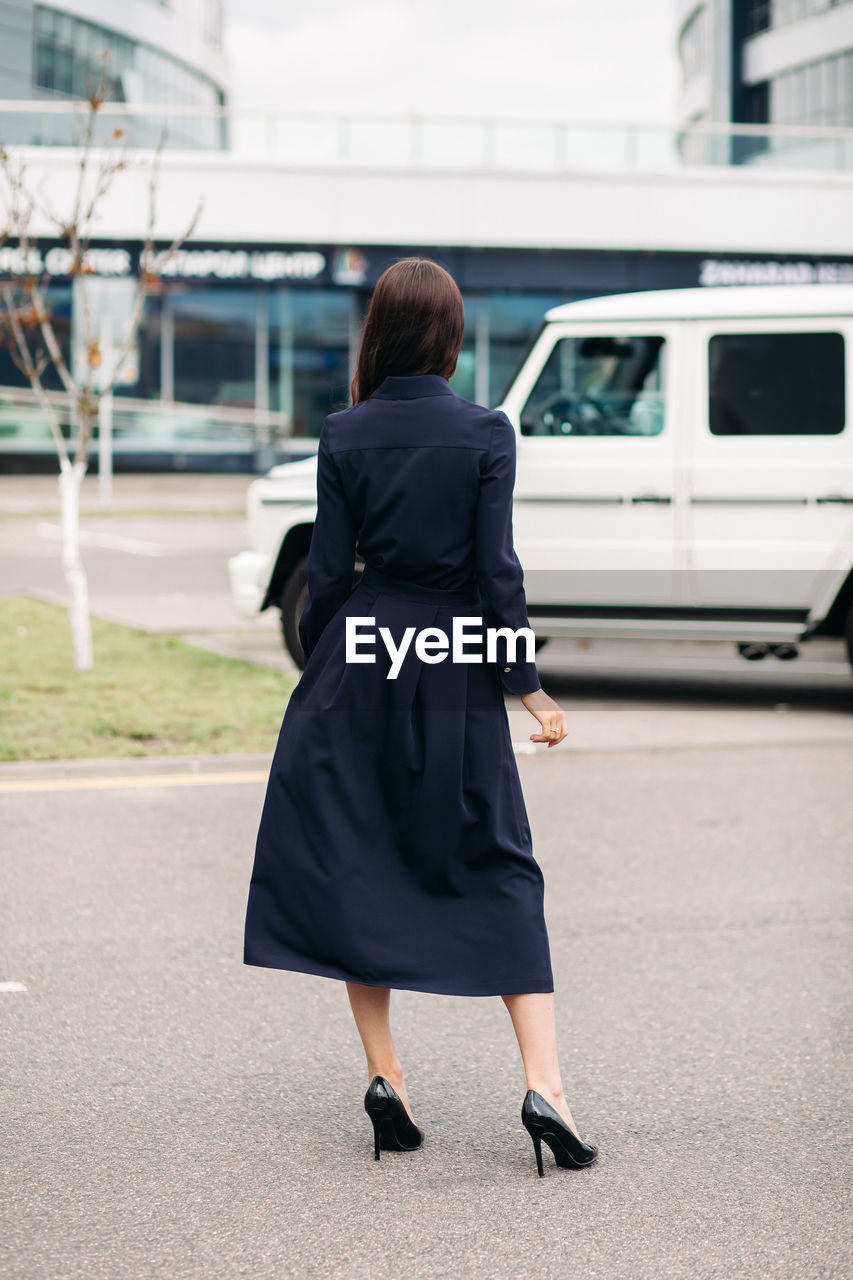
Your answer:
<point x="416" y="142"/>
<point x="154" y="432"/>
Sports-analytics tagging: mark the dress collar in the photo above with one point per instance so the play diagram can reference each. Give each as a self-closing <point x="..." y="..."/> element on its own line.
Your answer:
<point x="412" y="386"/>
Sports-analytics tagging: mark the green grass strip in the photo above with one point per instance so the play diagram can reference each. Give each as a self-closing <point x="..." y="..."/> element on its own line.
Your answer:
<point x="148" y="695"/>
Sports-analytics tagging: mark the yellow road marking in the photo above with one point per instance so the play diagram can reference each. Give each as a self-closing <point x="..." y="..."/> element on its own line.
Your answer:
<point x="112" y="784"/>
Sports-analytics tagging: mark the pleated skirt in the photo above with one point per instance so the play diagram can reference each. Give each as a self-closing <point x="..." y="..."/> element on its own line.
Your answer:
<point x="394" y="847"/>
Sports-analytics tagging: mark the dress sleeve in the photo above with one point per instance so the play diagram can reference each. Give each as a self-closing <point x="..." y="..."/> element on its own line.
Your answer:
<point x="498" y="569"/>
<point x="331" y="555"/>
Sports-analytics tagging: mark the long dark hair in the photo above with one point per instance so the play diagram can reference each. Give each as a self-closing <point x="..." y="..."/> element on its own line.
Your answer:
<point x="414" y="324"/>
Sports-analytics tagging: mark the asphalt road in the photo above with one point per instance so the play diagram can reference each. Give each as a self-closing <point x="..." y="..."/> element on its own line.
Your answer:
<point x="169" y="1112"/>
<point x="165" y="572"/>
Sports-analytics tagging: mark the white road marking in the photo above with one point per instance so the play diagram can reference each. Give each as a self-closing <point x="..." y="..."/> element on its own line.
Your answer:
<point x="12" y="986"/>
<point x="110" y="541"/>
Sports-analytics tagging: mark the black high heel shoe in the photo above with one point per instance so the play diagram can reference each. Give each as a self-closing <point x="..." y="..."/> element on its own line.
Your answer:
<point x="392" y="1128"/>
<point x="542" y="1121"/>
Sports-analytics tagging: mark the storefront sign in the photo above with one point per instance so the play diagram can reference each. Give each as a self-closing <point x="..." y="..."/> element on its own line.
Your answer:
<point x="715" y="271"/>
<point x="577" y="273"/>
<point x="236" y="264"/>
<point x="192" y="264"/>
<point x="349" y="266"/>
<point x="57" y="261"/>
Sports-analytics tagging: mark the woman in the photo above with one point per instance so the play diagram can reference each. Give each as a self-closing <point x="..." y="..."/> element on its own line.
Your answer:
<point x="394" y="849"/>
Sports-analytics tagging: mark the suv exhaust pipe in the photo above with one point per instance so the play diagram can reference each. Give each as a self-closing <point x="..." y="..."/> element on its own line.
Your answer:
<point x="754" y="651"/>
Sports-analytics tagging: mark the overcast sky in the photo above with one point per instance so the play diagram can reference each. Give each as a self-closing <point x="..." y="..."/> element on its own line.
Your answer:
<point x="572" y="59"/>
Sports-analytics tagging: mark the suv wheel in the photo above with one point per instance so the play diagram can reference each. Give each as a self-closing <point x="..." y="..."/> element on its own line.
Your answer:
<point x="291" y="603"/>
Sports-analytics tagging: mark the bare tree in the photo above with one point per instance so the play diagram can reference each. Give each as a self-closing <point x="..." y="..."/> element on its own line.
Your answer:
<point x="27" y="326"/>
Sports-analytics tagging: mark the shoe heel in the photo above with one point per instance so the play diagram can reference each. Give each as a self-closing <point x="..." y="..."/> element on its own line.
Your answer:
<point x="542" y="1121"/>
<point x="390" y="1119"/>
<point x="537" y="1147"/>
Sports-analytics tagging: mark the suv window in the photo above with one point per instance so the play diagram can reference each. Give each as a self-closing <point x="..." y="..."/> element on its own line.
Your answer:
<point x="598" y="386"/>
<point x="776" y="384"/>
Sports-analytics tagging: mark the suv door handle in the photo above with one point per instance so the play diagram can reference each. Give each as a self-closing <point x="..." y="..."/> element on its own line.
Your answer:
<point x="835" y="497"/>
<point x="651" y="497"/>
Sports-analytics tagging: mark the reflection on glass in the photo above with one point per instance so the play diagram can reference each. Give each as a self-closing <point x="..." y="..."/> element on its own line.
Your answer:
<point x="514" y="318"/>
<point x="309" y="354"/>
<point x="149" y="344"/>
<point x="598" y="386"/>
<point x="215" y="346"/>
<point x="28" y="427"/>
<point x="59" y="306"/>
<point x="464" y="380"/>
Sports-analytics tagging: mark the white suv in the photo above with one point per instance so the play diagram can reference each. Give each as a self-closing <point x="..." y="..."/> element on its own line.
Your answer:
<point x="685" y="472"/>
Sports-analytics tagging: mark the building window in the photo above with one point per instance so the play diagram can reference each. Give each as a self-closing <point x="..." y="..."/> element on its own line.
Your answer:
<point x="464" y="380"/>
<point x="150" y="338"/>
<point x="513" y="321"/>
<point x="599" y="386"/>
<point x="818" y="93"/>
<point x="778" y="13"/>
<point x="60" y="309"/>
<point x="776" y="384"/>
<point x="214" y="346"/>
<point x="310" y="332"/>
<point x="757" y="103"/>
<point x="756" y="110"/>
<point x="758" y="16"/>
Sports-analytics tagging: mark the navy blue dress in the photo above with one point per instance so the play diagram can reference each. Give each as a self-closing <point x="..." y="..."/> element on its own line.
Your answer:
<point x="394" y="847"/>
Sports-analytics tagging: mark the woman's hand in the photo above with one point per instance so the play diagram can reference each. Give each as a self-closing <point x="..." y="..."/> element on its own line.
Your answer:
<point x="551" y="717"/>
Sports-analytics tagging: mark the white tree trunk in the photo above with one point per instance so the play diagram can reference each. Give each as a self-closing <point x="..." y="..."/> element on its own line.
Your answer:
<point x="70" y="479"/>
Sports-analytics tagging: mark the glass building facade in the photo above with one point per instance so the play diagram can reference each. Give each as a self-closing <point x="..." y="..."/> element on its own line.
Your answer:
<point x="233" y="369"/>
<point x="69" y="54"/>
<point x="150" y="53"/>
<point x="766" y="62"/>
<point x="292" y="348"/>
